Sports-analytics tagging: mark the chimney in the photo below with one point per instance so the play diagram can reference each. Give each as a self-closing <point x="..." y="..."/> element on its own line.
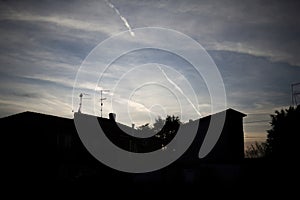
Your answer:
<point x="132" y="126"/>
<point x="112" y="116"/>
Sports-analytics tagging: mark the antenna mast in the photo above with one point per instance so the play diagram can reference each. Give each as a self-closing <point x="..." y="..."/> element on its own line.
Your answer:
<point x="295" y="93"/>
<point x="80" y="101"/>
<point x="102" y="99"/>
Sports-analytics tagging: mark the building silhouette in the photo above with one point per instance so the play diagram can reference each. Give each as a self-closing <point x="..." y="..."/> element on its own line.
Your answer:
<point x="48" y="148"/>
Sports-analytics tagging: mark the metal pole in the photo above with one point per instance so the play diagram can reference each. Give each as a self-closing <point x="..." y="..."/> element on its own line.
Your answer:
<point x="80" y="103"/>
<point x="292" y="85"/>
<point x="101" y="103"/>
<point x="101" y="100"/>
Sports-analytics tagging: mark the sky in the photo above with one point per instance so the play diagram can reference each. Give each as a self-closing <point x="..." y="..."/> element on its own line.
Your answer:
<point x="254" y="44"/>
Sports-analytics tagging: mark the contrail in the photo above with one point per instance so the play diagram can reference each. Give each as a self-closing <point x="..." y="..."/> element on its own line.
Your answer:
<point x="179" y="89"/>
<point x="121" y="17"/>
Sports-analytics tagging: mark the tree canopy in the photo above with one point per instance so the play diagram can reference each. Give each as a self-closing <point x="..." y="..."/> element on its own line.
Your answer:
<point x="163" y="129"/>
<point x="283" y="138"/>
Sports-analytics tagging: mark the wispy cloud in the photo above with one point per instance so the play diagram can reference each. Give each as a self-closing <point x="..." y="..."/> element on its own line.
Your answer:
<point x="180" y="90"/>
<point x="248" y="48"/>
<point x="58" y="20"/>
<point x="121" y="17"/>
<point x="43" y="44"/>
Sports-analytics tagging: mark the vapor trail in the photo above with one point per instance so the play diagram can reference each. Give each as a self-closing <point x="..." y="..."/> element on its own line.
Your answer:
<point x="179" y="89"/>
<point x="121" y="17"/>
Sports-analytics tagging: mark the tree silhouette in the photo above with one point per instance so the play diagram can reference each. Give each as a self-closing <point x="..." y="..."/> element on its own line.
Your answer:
<point x="158" y="125"/>
<point x="163" y="130"/>
<point x="169" y="129"/>
<point x="257" y="150"/>
<point x="283" y="138"/>
<point x="161" y="126"/>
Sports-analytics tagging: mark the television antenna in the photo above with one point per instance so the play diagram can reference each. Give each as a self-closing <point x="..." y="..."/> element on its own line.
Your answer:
<point x="295" y="93"/>
<point x="80" y="101"/>
<point x="102" y="99"/>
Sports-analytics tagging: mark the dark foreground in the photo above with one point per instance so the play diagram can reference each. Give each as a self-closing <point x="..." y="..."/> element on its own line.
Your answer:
<point x="250" y="178"/>
<point x="43" y="154"/>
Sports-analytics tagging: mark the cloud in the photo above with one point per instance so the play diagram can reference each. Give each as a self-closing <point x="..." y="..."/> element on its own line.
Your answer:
<point x="255" y="45"/>
<point x="60" y="21"/>
<point x="252" y="81"/>
<point x="29" y="96"/>
<point x="266" y="29"/>
<point x="215" y="24"/>
<point x="256" y="86"/>
<point x="32" y="95"/>
<point x="180" y="90"/>
<point x="121" y="17"/>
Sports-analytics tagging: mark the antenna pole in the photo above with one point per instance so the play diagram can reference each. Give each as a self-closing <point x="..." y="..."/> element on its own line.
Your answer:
<point x="292" y="86"/>
<point x="101" y="100"/>
<point x="295" y="94"/>
<point x="101" y="103"/>
<point x="80" y="102"/>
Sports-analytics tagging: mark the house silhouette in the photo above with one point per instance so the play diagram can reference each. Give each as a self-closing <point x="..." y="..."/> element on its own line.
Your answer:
<point x="48" y="148"/>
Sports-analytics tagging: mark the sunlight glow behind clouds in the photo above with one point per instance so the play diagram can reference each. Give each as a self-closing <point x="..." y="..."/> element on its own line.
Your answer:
<point x="145" y="85"/>
<point x="43" y="43"/>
